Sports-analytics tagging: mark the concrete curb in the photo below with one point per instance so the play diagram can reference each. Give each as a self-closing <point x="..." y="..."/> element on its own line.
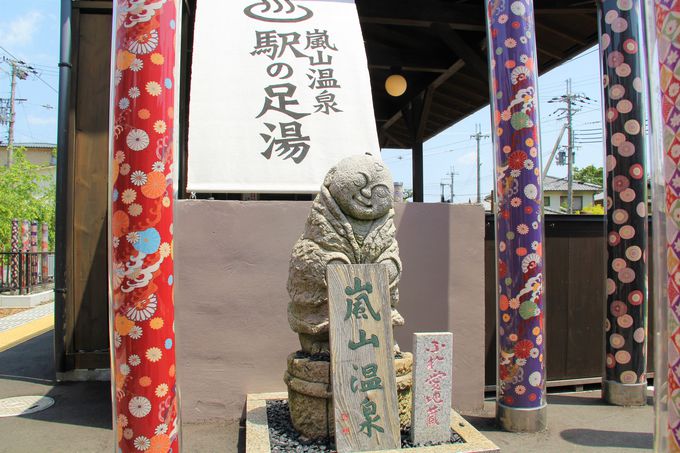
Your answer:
<point x="257" y="431"/>
<point x="12" y="337"/>
<point x="26" y="300"/>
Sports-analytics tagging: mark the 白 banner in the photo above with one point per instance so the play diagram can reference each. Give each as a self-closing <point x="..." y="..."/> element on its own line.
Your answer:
<point x="279" y="93"/>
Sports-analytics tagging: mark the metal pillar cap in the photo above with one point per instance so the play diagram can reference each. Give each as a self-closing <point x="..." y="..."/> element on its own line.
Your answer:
<point x="522" y="420"/>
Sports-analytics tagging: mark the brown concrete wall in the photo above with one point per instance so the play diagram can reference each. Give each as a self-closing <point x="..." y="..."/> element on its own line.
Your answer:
<point x="230" y="303"/>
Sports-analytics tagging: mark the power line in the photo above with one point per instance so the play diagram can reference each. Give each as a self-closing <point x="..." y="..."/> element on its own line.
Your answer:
<point x="28" y="68"/>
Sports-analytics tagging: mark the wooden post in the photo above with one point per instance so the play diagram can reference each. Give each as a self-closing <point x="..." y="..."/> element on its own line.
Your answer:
<point x="362" y="358"/>
<point x="521" y="392"/>
<point x="414" y="116"/>
<point x="145" y="398"/>
<point x="625" y="378"/>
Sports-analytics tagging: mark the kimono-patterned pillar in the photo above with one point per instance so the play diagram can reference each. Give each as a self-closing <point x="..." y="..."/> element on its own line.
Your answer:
<point x="14" y="263"/>
<point x="24" y="267"/>
<point x="34" y="252"/>
<point x="142" y="117"/>
<point x="44" y="248"/>
<point x="663" y="34"/>
<point x="625" y="379"/>
<point x="521" y="402"/>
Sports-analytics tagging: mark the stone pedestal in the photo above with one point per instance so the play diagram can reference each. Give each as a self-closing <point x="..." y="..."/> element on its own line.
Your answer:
<point x="310" y="394"/>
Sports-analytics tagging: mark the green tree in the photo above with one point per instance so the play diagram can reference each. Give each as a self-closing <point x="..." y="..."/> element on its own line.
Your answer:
<point x="25" y="193"/>
<point x="591" y="174"/>
<point x="593" y="209"/>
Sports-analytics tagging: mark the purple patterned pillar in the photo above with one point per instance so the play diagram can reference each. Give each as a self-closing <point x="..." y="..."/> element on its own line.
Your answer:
<point x="521" y="402"/>
<point x="14" y="264"/>
<point x="625" y="380"/>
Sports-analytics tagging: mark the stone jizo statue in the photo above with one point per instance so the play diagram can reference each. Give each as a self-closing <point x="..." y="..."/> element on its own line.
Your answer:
<point x="351" y="222"/>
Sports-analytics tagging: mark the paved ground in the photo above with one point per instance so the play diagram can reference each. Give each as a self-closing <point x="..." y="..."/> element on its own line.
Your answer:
<point x="577" y="422"/>
<point x="80" y="420"/>
<point x="15" y="320"/>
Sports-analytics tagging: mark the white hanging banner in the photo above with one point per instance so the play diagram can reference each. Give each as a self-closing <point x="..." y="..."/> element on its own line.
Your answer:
<point x="279" y="93"/>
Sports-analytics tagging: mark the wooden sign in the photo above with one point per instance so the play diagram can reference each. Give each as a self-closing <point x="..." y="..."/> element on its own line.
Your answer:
<point x="362" y="358"/>
<point x="431" y="401"/>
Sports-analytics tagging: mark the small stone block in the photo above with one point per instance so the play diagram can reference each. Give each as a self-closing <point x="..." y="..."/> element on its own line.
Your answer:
<point x="432" y="368"/>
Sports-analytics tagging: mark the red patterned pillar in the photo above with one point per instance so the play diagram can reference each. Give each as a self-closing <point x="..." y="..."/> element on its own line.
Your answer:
<point x="144" y="388"/>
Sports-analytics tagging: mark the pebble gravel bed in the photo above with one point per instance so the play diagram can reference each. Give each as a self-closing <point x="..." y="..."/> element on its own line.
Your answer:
<point x="284" y="439"/>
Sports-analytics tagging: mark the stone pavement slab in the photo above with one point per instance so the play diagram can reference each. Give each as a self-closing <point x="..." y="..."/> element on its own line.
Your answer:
<point x="15" y="320"/>
<point x="577" y="422"/>
<point x="80" y="420"/>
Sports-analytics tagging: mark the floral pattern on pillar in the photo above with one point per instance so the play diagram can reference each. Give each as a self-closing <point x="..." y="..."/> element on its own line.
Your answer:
<point x="625" y="162"/>
<point x="519" y="217"/>
<point x="142" y="309"/>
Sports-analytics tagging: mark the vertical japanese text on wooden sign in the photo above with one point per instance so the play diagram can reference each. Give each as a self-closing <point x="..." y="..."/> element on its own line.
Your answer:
<point x="362" y="362"/>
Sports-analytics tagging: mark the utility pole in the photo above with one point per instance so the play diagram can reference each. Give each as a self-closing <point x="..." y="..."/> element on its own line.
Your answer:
<point x="570" y="157"/>
<point x="569" y="111"/>
<point x="452" y="174"/>
<point x="12" y="114"/>
<point x="478" y="136"/>
<point x="18" y="71"/>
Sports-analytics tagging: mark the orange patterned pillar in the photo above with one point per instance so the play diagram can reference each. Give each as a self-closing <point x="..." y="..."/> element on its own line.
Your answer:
<point x="144" y="388"/>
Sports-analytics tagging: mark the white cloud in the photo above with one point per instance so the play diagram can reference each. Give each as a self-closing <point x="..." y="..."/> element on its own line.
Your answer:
<point x="466" y="159"/>
<point x="20" y="31"/>
<point x="41" y="120"/>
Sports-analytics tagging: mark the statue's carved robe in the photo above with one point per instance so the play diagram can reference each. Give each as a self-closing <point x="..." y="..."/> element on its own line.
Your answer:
<point x="329" y="236"/>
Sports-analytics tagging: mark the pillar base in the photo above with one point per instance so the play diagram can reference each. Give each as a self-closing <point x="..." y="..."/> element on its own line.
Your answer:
<point x="522" y="420"/>
<point x="624" y="394"/>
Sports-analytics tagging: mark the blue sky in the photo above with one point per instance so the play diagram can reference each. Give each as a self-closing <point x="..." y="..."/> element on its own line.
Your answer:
<point x="29" y="30"/>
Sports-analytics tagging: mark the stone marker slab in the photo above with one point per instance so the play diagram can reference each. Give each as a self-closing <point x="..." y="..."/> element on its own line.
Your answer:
<point x="431" y="400"/>
<point x="362" y="358"/>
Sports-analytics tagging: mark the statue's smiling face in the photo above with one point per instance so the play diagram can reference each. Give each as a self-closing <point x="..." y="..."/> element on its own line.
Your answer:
<point x="362" y="187"/>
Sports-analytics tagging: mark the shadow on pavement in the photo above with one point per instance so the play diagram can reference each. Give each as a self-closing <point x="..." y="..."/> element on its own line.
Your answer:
<point x="602" y="438"/>
<point x="482" y="423"/>
<point x="28" y="369"/>
<point x="31" y="361"/>
<point x="576" y="400"/>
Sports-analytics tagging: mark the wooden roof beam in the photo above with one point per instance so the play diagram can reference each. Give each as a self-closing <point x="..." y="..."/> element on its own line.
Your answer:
<point x="454" y="68"/>
<point x="563" y="11"/>
<point x="383" y="57"/>
<point x="561" y="34"/>
<point x="462" y="49"/>
<point x="408" y="68"/>
<point x="421" y="14"/>
<point x="549" y="53"/>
